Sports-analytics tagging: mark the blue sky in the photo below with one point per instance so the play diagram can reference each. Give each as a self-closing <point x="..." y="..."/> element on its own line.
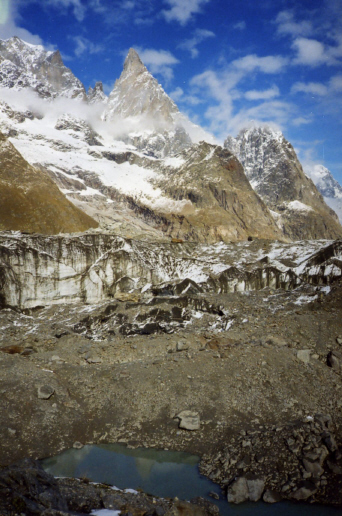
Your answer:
<point x="225" y="62"/>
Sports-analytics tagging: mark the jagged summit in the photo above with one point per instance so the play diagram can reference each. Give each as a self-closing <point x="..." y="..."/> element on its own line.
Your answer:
<point x="97" y="94"/>
<point x="274" y="171"/>
<point x="138" y="93"/>
<point x="327" y="185"/>
<point x="133" y="62"/>
<point x="23" y="65"/>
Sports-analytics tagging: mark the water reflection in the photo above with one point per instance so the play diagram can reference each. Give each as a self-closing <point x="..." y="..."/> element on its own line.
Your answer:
<point x="162" y="473"/>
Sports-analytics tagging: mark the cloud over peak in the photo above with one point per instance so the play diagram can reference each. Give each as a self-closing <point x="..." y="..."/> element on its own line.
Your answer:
<point x="182" y="10"/>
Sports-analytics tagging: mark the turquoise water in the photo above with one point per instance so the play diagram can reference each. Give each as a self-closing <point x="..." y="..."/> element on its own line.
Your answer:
<point x="165" y="474"/>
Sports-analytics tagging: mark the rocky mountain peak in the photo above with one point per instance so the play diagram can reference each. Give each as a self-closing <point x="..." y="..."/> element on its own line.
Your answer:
<point x="274" y="171"/>
<point x="138" y="93"/>
<point x="327" y="185"/>
<point x="133" y="62"/>
<point x="97" y="94"/>
<point x="23" y="65"/>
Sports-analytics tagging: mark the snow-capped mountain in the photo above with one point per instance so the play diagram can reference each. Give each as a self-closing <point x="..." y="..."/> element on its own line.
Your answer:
<point x="150" y="118"/>
<point x="96" y="94"/>
<point x="134" y="162"/>
<point x="23" y="66"/>
<point x="275" y="173"/>
<point x="328" y="186"/>
<point x="137" y="93"/>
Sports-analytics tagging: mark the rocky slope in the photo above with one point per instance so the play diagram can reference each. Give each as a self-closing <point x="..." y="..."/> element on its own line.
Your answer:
<point x="327" y="185"/>
<point x="221" y="205"/>
<point x="201" y="195"/>
<point x="30" y="201"/>
<point x="275" y="173"/>
<point x="23" y="66"/>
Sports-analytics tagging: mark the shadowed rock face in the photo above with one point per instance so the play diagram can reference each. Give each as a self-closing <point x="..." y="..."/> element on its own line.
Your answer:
<point x="30" y="201"/>
<point x="273" y="169"/>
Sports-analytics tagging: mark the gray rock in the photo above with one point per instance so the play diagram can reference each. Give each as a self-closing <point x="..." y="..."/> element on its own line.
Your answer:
<point x="255" y="488"/>
<point x="182" y="346"/>
<point x="77" y="445"/>
<point x="334" y="361"/>
<point x="304" y="355"/>
<point x="330" y="441"/>
<point x="243" y="489"/>
<point x="271" y="496"/>
<point x="45" y="392"/>
<point x="92" y="358"/>
<point x="305" y="490"/>
<point x="189" y="420"/>
<point x="339" y="340"/>
<point x="313" y="467"/>
<point x="238" y="491"/>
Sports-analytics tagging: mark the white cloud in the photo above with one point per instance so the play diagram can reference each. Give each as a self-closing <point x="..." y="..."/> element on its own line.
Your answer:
<point x="77" y="7"/>
<point x="84" y="45"/>
<point x="267" y="64"/>
<point x="9" y="25"/>
<point x="300" y="120"/>
<point x="11" y="20"/>
<point x="191" y="44"/>
<point x="182" y="10"/>
<point x="336" y="83"/>
<point x="240" y="25"/>
<point x="314" y="88"/>
<point x="288" y="26"/>
<point x="309" y="52"/>
<point x="158" y="61"/>
<point x="262" y="95"/>
<point x="178" y="95"/>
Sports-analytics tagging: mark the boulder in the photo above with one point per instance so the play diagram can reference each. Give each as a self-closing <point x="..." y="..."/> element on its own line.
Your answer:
<point x="314" y="468"/>
<point x="256" y="487"/>
<point x="238" y="491"/>
<point x="271" y="496"/>
<point x="245" y="489"/>
<point x="304" y="355"/>
<point x="304" y="491"/>
<point x="334" y="360"/>
<point x="189" y="420"/>
<point x="45" y="392"/>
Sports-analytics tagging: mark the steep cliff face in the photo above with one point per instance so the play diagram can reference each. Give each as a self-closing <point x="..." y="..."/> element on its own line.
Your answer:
<point x="23" y="65"/>
<point x="327" y="185"/>
<point x="31" y="201"/>
<point x="159" y="126"/>
<point x="137" y="93"/>
<point x="273" y="169"/>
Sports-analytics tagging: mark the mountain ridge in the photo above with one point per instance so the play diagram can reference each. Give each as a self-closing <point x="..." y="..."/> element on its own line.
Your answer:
<point x="275" y="173"/>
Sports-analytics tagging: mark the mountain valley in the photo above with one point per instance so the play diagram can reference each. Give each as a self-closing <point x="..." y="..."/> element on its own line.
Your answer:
<point x="147" y="271"/>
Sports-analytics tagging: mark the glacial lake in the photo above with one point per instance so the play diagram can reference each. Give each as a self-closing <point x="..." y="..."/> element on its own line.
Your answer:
<point x="164" y="474"/>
